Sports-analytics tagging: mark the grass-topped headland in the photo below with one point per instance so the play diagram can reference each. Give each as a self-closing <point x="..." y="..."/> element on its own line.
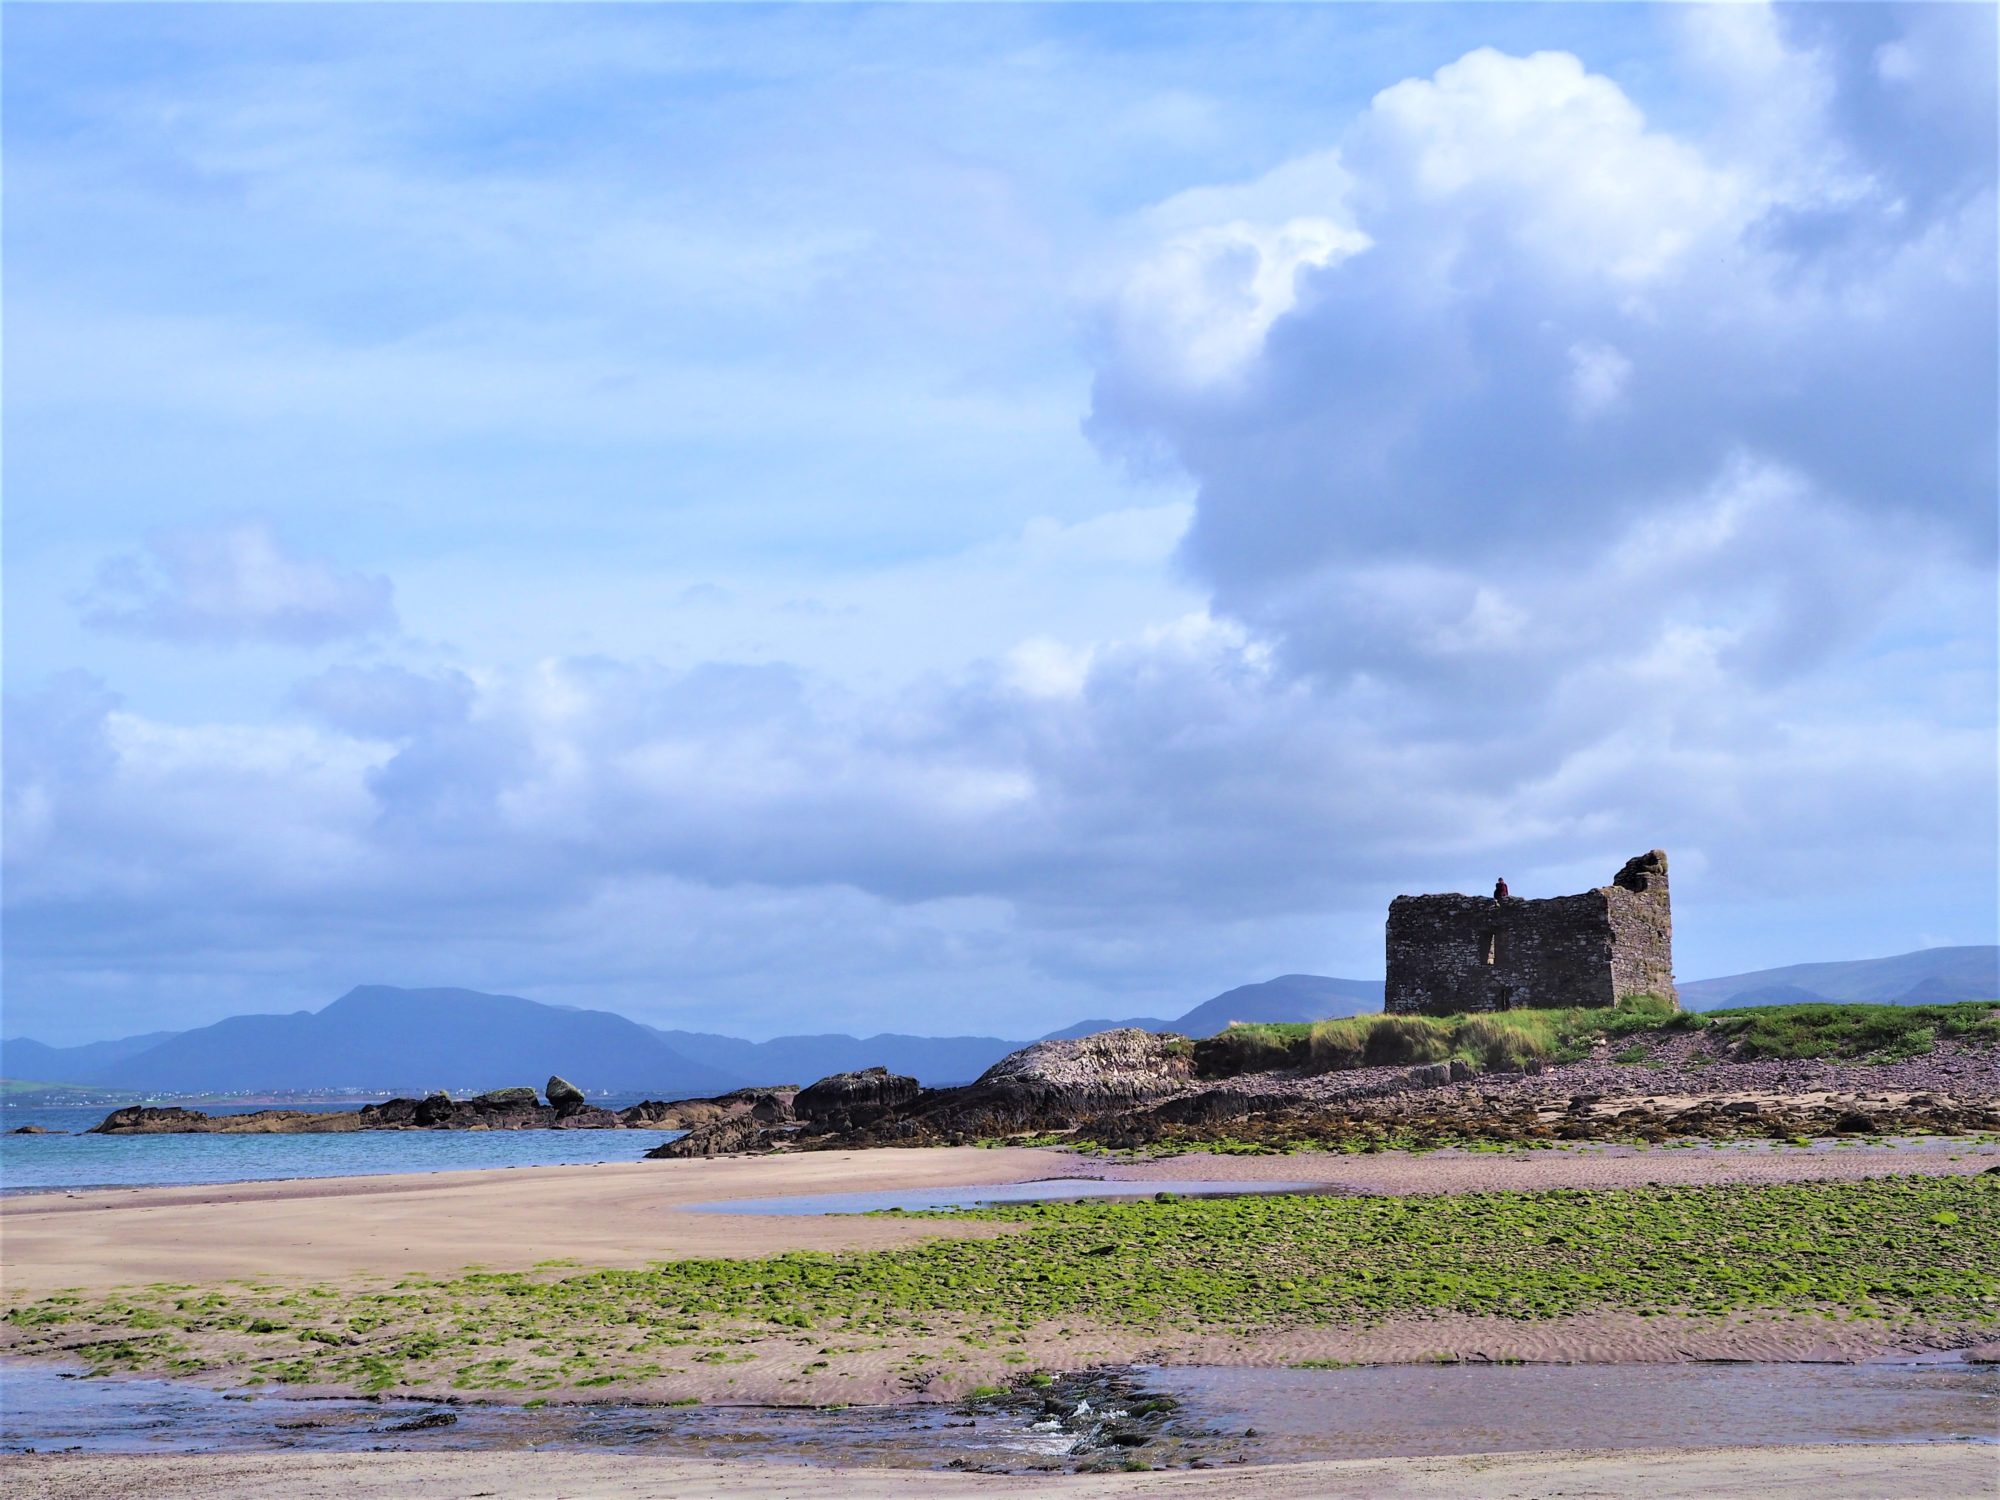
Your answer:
<point x="1921" y="1253"/>
<point x="1512" y="1039"/>
<point x="1512" y="1077"/>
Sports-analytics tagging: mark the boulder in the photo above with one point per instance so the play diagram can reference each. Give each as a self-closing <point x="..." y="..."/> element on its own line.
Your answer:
<point x="564" y="1096"/>
<point x="1108" y="1067"/>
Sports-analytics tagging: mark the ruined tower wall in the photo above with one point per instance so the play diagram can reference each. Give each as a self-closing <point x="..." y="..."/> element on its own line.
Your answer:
<point x="1642" y="929"/>
<point x="1464" y="954"/>
<point x="1456" y="954"/>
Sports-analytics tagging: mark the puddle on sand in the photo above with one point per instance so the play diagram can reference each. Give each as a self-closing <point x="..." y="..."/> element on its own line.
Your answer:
<point x="1048" y="1190"/>
<point x="1391" y="1411"/>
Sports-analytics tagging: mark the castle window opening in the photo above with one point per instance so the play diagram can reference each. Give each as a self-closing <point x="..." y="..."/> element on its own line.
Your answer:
<point x="1489" y="947"/>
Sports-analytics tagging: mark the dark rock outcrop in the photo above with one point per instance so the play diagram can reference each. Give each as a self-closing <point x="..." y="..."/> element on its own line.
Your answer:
<point x="850" y="1101"/>
<point x="564" y="1096"/>
<point x="515" y="1098"/>
<point x="588" y="1118"/>
<point x="1050" y="1086"/>
<point x="1047" y="1086"/>
<point x="497" y="1109"/>
<point x="146" y="1119"/>
<point x="726" y="1137"/>
<point x="768" y="1106"/>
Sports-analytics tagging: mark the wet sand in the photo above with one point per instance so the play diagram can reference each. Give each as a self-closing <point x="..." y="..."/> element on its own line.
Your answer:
<point x="630" y="1214"/>
<point x="1880" y="1472"/>
<point x="621" y="1214"/>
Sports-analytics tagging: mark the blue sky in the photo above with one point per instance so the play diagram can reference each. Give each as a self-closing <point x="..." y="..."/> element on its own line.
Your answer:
<point x="953" y="519"/>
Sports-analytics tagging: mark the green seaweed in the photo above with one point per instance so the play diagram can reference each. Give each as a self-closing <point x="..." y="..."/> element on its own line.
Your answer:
<point x="1902" y="1249"/>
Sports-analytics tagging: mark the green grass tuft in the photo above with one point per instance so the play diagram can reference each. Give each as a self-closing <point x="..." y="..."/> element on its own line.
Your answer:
<point x="1507" y="1040"/>
<point x="1885" y="1033"/>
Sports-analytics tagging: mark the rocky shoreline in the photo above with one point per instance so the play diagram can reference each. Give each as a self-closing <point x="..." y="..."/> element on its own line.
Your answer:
<point x="567" y="1108"/>
<point x="1137" y="1090"/>
<point x="1131" y="1089"/>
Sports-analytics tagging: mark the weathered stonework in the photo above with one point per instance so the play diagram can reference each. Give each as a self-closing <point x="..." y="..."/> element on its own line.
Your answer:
<point x="1451" y="955"/>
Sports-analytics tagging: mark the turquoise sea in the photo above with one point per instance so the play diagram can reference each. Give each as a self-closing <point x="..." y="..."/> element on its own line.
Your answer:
<point x="74" y="1160"/>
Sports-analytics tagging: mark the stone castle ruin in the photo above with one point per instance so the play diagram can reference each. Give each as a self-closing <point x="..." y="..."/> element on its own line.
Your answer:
<point x="1453" y="955"/>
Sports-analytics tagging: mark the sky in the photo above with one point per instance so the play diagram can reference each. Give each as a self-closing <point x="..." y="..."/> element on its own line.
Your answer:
<point x="958" y="519"/>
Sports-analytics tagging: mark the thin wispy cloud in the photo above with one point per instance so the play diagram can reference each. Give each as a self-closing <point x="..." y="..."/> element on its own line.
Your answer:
<point x="234" y="583"/>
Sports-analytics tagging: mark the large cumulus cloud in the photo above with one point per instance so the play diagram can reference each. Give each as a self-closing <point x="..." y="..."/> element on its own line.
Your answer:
<point x="1581" y="390"/>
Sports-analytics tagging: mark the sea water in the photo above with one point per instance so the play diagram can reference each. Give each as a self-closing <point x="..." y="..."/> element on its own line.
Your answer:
<point x="74" y="1161"/>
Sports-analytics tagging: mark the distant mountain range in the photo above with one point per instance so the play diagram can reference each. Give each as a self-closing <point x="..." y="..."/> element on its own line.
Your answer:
<point x="23" y="1057"/>
<point x="1930" y="976"/>
<point x="1289" y="997"/>
<point x="378" y="1037"/>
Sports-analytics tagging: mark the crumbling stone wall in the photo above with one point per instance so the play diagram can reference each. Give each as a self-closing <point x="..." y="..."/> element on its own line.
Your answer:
<point x="1456" y="954"/>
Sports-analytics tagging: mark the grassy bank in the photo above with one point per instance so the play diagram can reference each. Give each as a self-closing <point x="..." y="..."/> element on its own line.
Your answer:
<point x="1511" y="1039"/>
<point x="1897" y="1249"/>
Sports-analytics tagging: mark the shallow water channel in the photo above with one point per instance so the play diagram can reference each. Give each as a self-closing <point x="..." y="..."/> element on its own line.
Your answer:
<point x="1046" y="1190"/>
<point x="1167" y="1417"/>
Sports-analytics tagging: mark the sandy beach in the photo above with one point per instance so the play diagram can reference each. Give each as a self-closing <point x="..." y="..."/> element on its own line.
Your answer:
<point x="631" y="1214"/>
<point x="1885" y="1472"/>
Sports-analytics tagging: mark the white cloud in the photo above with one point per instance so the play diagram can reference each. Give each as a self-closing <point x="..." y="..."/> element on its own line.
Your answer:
<point x="714" y="845"/>
<point x="1044" y="668"/>
<point x="1201" y="305"/>
<point x="1574" y="329"/>
<point x="235" y="583"/>
<point x="1597" y="377"/>
<point x="1217" y="266"/>
<point x="1552" y="157"/>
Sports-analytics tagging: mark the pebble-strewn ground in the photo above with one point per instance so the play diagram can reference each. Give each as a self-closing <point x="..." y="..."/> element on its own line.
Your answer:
<point x="1685" y="1086"/>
